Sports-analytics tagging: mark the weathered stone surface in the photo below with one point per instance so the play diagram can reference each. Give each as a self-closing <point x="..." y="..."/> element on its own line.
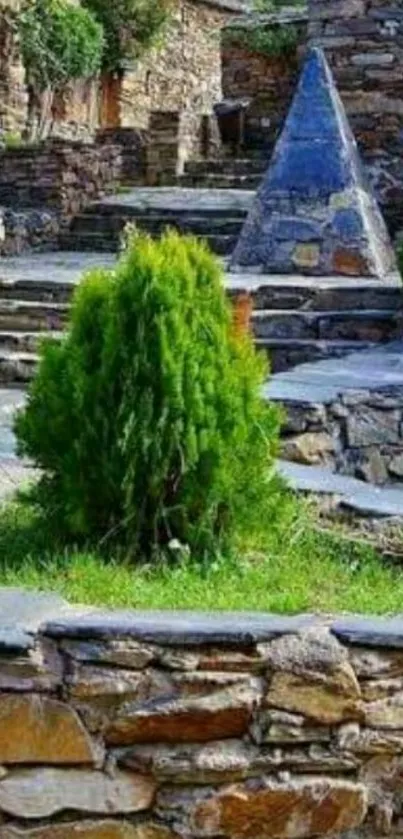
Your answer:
<point x="123" y="653"/>
<point x="40" y="669"/>
<point x="385" y="713"/>
<point x="314" y="160"/>
<point x="370" y="663"/>
<point x="101" y="829"/>
<point x="274" y="726"/>
<point x="368" y="427"/>
<point x="260" y="809"/>
<point x="41" y="793"/>
<point x="225" y="713"/>
<point x="311" y="447"/>
<point x="36" y="729"/>
<point x="230" y="760"/>
<point x="370" y="632"/>
<point x="312" y="676"/>
<point x="177" y="629"/>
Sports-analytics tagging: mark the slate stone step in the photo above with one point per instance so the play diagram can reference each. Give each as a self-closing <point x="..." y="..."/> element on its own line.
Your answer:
<point x="200" y="225"/>
<point x="350" y="325"/>
<point x="351" y="494"/>
<point x="25" y="342"/>
<point x="285" y="353"/>
<point x="279" y="292"/>
<point x="31" y="315"/>
<point x="220" y="244"/>
<point x="16" y="368"/>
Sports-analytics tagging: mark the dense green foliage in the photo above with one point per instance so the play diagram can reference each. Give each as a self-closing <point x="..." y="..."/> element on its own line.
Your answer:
<point x="59" y="42"/>
<point x="274" y="40"/>
<point x="130" y="26"/>
<point x="147" y="419"/>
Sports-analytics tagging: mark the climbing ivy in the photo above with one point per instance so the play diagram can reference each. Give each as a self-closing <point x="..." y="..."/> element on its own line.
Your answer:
<point x="130" y="26"/>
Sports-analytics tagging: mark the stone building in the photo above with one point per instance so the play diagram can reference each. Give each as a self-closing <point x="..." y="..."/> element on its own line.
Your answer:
<point x="180" y="75"/>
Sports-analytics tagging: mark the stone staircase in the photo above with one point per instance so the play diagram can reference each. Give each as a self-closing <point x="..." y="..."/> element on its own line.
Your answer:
<point x="216" y="215"/>
<point x="294" y="319"/>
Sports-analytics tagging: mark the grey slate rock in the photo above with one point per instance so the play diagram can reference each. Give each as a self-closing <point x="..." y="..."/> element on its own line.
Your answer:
<point x="178" y="628"/>
<point x="370" y="631"/>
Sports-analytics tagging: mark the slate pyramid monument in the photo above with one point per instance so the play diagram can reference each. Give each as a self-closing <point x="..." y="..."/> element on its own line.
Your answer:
<point x="314" y="212"/>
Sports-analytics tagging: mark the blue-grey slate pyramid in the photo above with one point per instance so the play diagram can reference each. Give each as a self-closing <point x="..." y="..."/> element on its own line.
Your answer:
<point x="314" y="212"/>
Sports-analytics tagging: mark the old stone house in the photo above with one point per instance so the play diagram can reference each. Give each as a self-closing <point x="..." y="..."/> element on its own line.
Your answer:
<point x="182" y="75"/>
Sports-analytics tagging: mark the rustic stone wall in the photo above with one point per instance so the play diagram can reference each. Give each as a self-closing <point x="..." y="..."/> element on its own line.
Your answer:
<point x="359" y="434"/>
<point x="363" y="40"/>
<point x="163" y="725"/>
<point x="182" y="75"/>
<point x="57" y="175"/>
<point x="267" y="81"/>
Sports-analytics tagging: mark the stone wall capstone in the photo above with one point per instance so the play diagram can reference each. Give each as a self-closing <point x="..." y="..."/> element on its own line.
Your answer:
<point x="363" y="41"/>
<point x="126" y="725"/>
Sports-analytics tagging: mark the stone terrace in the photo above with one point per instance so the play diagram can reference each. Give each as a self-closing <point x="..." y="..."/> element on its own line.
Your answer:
<point x="128" y="725"/>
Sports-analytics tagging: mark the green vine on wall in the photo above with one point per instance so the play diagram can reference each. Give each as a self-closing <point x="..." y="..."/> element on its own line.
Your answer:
<point x="130" y="26"/>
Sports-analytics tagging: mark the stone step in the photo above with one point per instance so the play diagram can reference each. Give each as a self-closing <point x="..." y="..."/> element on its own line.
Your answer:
<point x="220" y="181"/>
<point x="16" y="368"/>
<point x="220" y="244"/>
<point x="25" y="342"/>
<point x="349" y="325"/>
<point x="317" y="294"/>
<point x="200" y="225"/>
<point x="285" y="353"/>
<point x="31" y="315"/>
<point x="350" y="494"/>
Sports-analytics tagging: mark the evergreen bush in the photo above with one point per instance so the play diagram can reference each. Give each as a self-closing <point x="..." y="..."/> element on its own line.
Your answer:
<point x="147" y="418"/>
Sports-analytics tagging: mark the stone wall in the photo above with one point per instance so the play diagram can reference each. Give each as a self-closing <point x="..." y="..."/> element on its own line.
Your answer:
<point x="267" y="81"/>
<point x="182" y="75"/>
<point x="58" y="175"/>
<point x="363" y="40"/>
<point x="161" y="726"/>
<point x="360" y="433"/>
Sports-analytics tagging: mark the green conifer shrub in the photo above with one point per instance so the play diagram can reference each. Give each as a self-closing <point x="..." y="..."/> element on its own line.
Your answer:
<point x="147" y="418"/>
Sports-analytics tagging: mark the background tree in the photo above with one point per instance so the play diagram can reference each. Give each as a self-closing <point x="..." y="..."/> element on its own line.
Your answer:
<point x="60" y="42"/>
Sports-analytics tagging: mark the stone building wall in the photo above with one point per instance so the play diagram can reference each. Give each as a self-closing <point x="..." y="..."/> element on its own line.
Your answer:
<point x="363" y="41"/>
<point x="169" y="725"/>
<point x="182" y="75"/>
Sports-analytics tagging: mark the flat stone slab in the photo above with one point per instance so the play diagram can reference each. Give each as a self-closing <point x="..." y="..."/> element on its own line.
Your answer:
<point x="21" y="614"/>
<point x="324" y="381"/>
<point x="370" y="631"/>
<point x="178" y="628"/>
<point x="180" y="199"/>
<point x="244" y="280"/>
<point x="358" y="496"/>
<point x="54" y="266"/>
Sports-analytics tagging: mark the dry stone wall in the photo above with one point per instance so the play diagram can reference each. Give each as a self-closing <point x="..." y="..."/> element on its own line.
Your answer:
<point x="363" y="40"/>
<point x="169" y="725"/>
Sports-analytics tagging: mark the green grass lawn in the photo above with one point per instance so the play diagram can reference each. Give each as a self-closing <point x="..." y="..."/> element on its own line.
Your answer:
<point x="285" y="564"/>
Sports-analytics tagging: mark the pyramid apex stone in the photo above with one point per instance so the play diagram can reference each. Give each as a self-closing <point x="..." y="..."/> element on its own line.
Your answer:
<point x="314" y="212"/>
